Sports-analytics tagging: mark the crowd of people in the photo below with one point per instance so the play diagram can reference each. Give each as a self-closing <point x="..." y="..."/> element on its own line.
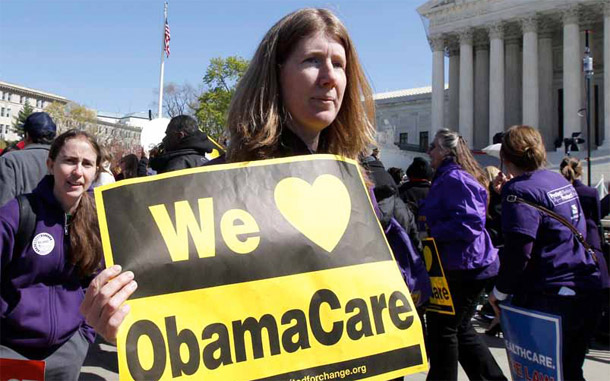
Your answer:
<point x="303" y="93"/>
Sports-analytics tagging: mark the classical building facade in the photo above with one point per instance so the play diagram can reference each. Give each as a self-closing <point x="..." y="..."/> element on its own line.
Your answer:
<point x="519" y="62"/>
<point x="403" y="126"/>
<point x="404" y="118"/>
<point x="12" y="100"/>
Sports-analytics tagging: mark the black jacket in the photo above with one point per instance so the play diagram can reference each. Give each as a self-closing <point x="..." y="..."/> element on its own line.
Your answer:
<point x="394" y="207"/>
<point x="190" y="154"/>
<point x="493" y="223"/>
<point x="390" y="205"/>
<point x="413" y="192"/>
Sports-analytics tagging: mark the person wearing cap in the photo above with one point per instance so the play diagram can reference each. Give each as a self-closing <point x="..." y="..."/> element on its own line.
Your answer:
<point x="22" y="170"/>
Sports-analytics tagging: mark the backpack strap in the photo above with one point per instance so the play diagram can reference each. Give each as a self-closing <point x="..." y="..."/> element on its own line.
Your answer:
<point x="578" y="235"/>
<point x="27" y="223"/>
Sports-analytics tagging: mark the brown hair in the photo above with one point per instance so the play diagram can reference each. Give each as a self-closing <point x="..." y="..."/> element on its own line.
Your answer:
<point x="85" y="243"/>
<point x="257" y="114"/>
<point x="571" y="168"/>
<point x="523" y="147"/>
<point x="453" y="142"/>
<point x="131" y="166"/>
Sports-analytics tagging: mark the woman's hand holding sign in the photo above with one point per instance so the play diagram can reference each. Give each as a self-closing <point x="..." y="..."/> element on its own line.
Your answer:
<point x="103" y="306"/>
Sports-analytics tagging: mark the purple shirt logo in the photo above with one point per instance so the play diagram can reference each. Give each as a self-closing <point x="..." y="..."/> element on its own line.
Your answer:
<point x="575" y="214"/>
<point x="562" y="195"/>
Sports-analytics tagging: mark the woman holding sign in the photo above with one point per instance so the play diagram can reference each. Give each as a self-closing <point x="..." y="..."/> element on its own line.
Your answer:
<point x="304" y="92"/>
<point x="455" y="212"/>
<point x="545" y="267"/>
<point x="50" y="249"/>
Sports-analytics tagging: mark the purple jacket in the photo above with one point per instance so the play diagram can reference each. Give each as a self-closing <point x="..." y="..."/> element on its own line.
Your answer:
<point x="556" y="258"/>
<point x="41" y="291"/>
<point x="455" y="212"/>
<point x="589" y="200"/>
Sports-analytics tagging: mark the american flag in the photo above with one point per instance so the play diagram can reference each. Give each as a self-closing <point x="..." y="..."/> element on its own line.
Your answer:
<point x="167" y="38"/>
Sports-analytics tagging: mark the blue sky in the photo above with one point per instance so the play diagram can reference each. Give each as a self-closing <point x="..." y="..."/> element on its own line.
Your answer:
<point x="105" y="54"/>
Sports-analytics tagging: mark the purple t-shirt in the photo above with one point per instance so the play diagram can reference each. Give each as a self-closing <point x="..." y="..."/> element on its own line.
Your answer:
<point x="557" y="258"/>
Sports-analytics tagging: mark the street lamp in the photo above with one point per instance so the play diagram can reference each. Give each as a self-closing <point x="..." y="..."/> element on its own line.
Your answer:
<point x="587" y="68"/>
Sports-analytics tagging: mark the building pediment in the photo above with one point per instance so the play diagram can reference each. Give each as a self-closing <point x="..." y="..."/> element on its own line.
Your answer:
<point x="434" y="5"/>
<point x="449" y="16"/>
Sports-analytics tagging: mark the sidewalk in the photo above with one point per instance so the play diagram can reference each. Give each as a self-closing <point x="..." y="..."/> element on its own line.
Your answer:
<point x="597" y="363"/>
<point x="101" y="362"/>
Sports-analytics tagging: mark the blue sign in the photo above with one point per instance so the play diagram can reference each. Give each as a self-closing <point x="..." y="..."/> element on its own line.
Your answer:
<point x="533" y="344"/>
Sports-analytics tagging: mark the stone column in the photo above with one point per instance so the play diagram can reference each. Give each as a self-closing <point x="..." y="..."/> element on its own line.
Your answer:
<point x="466" y="87"/>
<point x="481" y="94"/>
<point x="572" y="94"/>
<point x="545" y="87"/>
<point x="438" y="84"/>
<point x="512" y="82"/>
<point x="496" y="80"/>
<point x="454" y="89"/>
<point x="530" y="71"/>
<point x="606" y="142"/>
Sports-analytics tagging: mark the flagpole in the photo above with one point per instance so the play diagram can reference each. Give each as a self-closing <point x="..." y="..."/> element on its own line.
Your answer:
<point x="159" y="113"/>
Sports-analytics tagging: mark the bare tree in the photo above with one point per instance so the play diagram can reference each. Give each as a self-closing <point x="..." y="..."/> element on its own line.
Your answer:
<point x="118" y="148"/>
<point x="178" y="99"/>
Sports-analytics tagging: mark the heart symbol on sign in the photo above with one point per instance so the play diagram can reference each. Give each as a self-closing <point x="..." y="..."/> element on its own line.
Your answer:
<point x="320" y="211"/>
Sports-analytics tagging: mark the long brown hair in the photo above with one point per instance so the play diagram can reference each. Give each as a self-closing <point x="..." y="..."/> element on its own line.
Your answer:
<point x="257" y="114"/>
<point x="453" y="142"/>
<point x="85" y="243"/>
<point x="523" y="147"/>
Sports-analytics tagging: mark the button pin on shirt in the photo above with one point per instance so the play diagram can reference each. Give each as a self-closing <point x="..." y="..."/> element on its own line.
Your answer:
<point x="566" y="291"/>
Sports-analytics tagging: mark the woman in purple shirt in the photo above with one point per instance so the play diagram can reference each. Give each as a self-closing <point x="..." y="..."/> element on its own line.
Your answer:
<point x="45" y="267"/>
<point x="571" y="169"/>
<point x="544" y="267"/>
<point x="455" y="212"/>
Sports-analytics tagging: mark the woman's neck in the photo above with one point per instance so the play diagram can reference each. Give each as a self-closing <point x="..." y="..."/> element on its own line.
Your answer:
<point x="514" y="171"/>
<point x="68" y="205"/>
<point x="310" y="139"/>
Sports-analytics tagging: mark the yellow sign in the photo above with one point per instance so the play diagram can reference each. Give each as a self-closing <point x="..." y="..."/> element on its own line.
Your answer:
<point x="216" y="152"/>
<point x="274" y="269"/>
<point x="440" y="300"/>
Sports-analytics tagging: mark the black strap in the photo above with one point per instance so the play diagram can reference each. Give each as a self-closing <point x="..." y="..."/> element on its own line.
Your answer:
<point x="514" y="199"/>
<point x="27" y="223"/>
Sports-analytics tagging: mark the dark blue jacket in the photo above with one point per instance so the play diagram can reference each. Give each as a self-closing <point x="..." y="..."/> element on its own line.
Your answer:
<point x="455" y="212"/>
<point x="41" y="291"/>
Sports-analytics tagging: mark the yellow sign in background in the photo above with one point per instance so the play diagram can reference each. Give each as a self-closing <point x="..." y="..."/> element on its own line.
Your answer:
<point x="440" y="300"/>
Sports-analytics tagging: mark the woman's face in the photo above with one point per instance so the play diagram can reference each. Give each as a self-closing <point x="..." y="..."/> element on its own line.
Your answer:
<point x="436" y="153"/>
<point x="312" y="82"/>
<point x="73" y="170"/>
